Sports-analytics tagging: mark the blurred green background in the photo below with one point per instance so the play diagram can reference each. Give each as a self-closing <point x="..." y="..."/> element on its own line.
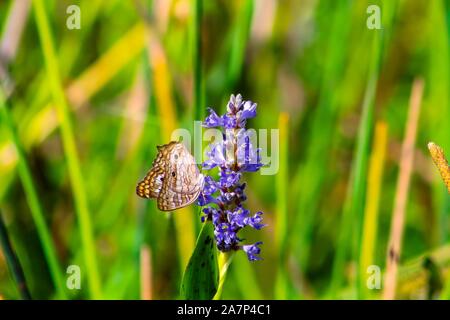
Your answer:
<point x="88" y="107"/>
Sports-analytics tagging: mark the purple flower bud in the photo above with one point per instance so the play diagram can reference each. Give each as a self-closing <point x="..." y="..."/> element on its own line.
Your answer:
<point x="239" y="191"/>
<point x="248" y="111"/>
<point x="235" y="104"/>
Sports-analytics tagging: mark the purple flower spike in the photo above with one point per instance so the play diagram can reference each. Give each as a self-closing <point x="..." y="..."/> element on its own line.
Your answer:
<point x="224" y="197"/>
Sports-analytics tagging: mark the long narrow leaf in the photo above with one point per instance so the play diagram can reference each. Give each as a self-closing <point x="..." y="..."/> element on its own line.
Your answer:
<point x="201" y="278"/>
<point x="33" y="201"/>
<point x="68" y="138"/>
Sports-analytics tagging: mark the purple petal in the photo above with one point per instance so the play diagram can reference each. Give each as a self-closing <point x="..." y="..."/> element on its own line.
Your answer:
<point x="216" y="157"/>
<point x="229" y="178"/>
<point x="249" y="110"/>
<point x="229" y="121"/>
<point x="255" y="221"/>
<point x="238" y="218"/>
<point x="204" y="199"/>
<point x="210" y="186"/>
<point x="252" y="251"/>
<point x="213" y="120"/>
<point x="225" y="235"/>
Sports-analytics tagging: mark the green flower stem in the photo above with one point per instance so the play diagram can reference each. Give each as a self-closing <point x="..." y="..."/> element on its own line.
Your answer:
<point x="225" y="259"/>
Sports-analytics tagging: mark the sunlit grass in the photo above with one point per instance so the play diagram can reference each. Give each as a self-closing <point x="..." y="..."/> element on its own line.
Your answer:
<point x="26" y="178"/>
<point x="371" y="209"/>
<point x="70" y="149"/>
<point x="281" y="228"/>
<point x="350" y="228"/>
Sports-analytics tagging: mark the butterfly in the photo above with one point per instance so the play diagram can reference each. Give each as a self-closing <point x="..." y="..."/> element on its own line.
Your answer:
<point x="174" y="179"/>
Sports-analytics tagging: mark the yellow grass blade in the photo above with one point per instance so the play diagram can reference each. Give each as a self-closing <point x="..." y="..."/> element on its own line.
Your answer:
<point x="375" y="179"/>
<point x="166" y="110"/>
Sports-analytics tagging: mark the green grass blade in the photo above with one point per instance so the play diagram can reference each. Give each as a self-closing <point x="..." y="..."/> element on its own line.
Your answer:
<point x="239" y="42"/>
<point x="70" y="149"/>
<point x="197" y="57"/>
<point x="354" y="204"/>
<point x="311" y="172"/>
<point x="13" y="261"/>
<point x="33" y="201"/>
<point x="437" y="104"/>
<point x="246" y="279"/>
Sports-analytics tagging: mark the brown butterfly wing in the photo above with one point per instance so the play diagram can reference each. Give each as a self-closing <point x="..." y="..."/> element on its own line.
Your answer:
<point x="151" y="186"/>
<point x="170" y="200"/>
<point x="183" y="181"/>
<point x="174" y="179"/>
